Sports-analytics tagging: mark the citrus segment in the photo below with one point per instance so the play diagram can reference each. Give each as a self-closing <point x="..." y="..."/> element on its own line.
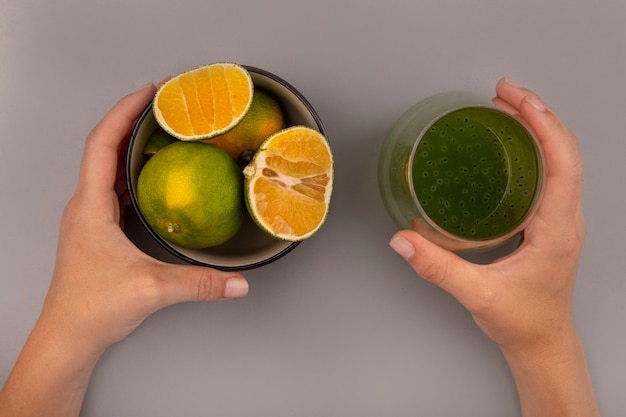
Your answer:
<point x="191" y="194"/>
<point x="263" y="119"/>
<point x="289" y="182"/>
<point x="204" y="102"/>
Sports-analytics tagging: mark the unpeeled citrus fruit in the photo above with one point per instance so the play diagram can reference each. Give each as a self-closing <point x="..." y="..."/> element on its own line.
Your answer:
<point x="263" y="119"/>
<point x="289" y="182"/>
<point x="157" y="140"/>
<point x="191" y="194"/>
<point x="204" y="102"/>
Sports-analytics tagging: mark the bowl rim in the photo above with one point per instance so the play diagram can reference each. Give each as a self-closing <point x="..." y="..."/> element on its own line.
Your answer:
<point x="162" y="242"/>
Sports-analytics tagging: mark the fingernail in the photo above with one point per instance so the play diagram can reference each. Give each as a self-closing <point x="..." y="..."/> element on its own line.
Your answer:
<point x="535" y="102"/>
<point x="235" y="288"/>
<point x="143" y="87"/>
<point x="403" y="247"/>
<point x="511" y="82"/>
<point x="163" y="81"/>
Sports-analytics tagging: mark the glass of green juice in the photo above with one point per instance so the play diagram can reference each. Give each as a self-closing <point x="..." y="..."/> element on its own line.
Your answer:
<point x="461" y="172"/>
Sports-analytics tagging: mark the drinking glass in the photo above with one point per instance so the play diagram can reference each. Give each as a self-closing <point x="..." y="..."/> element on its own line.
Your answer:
<point x="461" y="172"/>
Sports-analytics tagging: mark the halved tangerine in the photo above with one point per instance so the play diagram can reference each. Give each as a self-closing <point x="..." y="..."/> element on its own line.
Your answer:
<point x="204" y="102"/>
<point x="289" y="182"/>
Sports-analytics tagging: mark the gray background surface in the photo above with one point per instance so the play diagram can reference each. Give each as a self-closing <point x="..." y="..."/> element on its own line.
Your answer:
<point x="341" y="326"/>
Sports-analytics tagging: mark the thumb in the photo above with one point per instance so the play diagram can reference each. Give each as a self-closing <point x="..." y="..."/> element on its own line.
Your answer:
<point x="182" y="283"/>
<point x="433" y="263"/>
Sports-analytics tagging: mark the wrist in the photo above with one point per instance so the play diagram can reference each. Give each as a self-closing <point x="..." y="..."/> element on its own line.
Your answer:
<point x="546" y="346"/>
<point x="552" y="377"/>
<point x="52" y="368"/>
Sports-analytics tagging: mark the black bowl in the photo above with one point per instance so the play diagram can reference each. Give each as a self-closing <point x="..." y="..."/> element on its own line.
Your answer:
<point x="251" y="247"/>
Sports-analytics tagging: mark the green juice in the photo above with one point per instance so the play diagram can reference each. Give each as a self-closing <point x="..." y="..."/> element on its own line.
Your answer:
<point x="476" y="173"/>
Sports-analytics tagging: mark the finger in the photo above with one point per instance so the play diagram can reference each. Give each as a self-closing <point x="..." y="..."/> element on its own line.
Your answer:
<point x="120" y="179"/>
<point x="562" y="160"/>
<point x="504" y="106"/>
<point x="183" y="283"/>
<point x="421" y="227"/>
<point x="124" y="203"/>
<point x="100" y="158"/>
<point x="163" y="81"/>
<point x="559" y="144"/>
<point x="555" y="138"/>
<point x="434" y="264"/>
<point x="509" y="93"/>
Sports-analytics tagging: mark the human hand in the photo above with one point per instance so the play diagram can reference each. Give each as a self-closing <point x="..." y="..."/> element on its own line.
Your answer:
<point x="103" y="287"/>
<point x="527" y="295"/>
<point x="523" y="301"/>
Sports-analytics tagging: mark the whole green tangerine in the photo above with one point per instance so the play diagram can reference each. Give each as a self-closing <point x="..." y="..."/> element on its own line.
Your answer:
<point x="476" y="173"/>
